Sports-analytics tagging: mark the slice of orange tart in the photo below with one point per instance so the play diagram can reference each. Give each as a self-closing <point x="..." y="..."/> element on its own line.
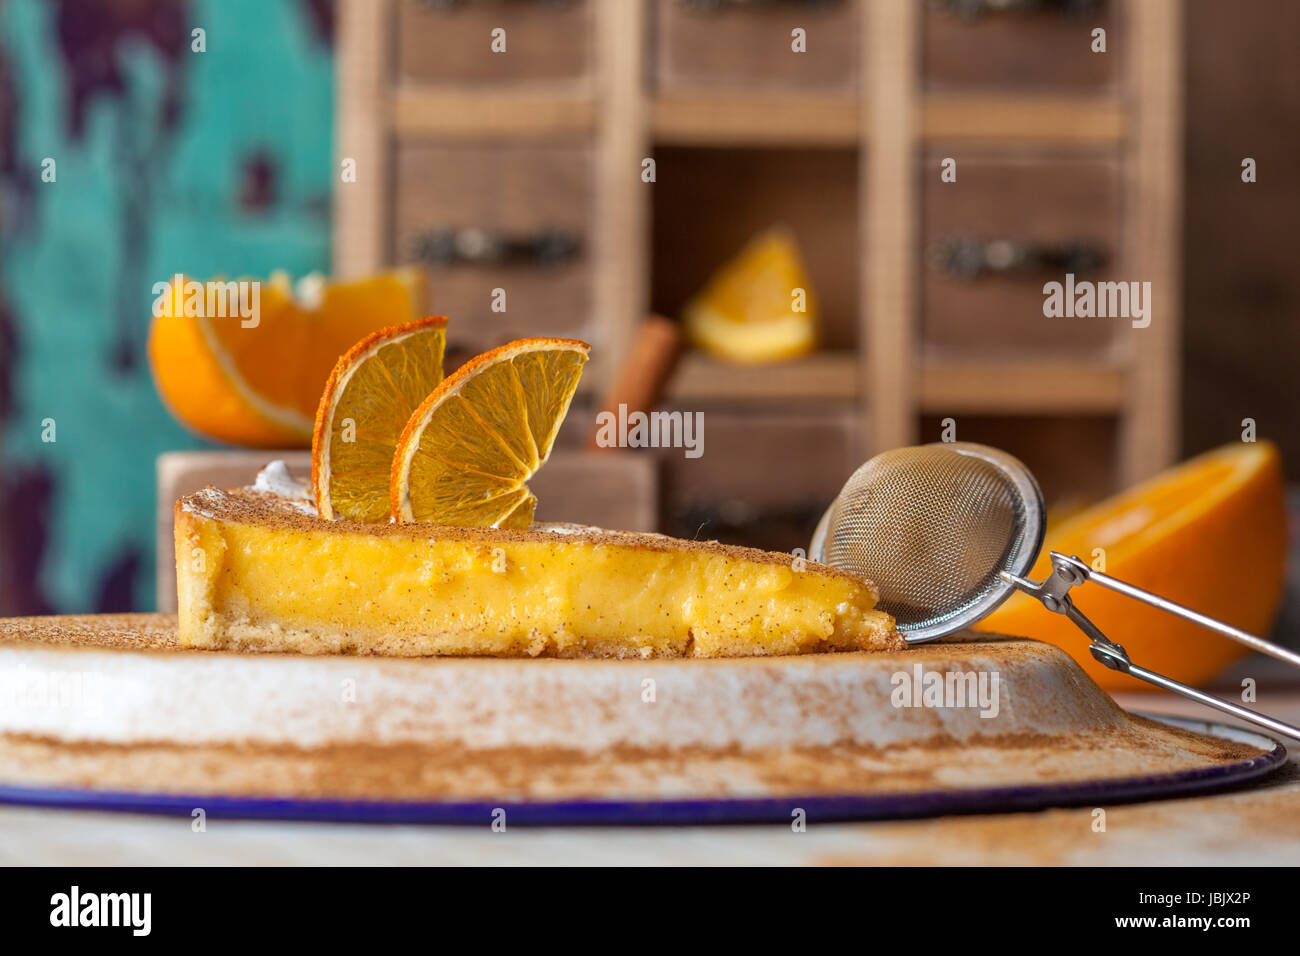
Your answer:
<point x="460" y="568"/>
<point x="261" y="571"/>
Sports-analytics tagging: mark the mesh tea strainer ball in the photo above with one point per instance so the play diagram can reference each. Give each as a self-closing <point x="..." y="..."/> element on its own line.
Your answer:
<point x="948" y="531"/>
<point x="933" y="527"/>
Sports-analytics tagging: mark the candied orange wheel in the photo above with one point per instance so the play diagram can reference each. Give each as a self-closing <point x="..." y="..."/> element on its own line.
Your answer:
<point x="369" y="397"/>
<point x="467" y="453"/>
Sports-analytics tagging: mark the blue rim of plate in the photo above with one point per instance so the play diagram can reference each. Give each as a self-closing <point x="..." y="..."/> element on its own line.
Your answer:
<point x="678" y="812"/>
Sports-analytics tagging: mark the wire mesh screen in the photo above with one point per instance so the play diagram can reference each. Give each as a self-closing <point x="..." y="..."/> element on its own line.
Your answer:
<point x="932" y="527"/>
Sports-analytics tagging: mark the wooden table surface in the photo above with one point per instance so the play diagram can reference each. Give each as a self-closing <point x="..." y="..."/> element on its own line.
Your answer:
<point x="1259" y="825"/>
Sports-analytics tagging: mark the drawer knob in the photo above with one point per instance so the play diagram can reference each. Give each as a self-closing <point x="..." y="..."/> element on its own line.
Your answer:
<point x="970" y="257"/>
<point x="447" y="247"/>
<point x="974" y="9"/>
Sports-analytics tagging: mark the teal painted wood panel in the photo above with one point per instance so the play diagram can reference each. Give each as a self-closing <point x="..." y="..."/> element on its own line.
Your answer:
<point x="167" y="159"/>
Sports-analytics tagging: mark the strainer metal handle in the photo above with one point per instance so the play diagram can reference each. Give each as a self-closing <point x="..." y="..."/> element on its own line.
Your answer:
<point x="1069" y="572"/>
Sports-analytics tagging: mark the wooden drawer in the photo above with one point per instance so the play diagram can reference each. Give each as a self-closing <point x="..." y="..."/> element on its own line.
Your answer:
<point x="452" y="42"/>
<point x="1066" y="206"/>
<point x="1019" y="51"/>
<point x="753" y="484"/>
<point x="707" y="44"/>
<point x="535" y="197"/>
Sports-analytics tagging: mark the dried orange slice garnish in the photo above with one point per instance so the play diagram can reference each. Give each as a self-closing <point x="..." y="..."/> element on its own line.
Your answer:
<point x="257" y="381"/>
<point x="466" y="454"/>
<point x="375" y="387"/>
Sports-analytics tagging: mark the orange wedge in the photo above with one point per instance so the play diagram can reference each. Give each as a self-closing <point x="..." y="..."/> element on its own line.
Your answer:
<point x="370" y="395"/>
<point x="759" y="307"/>
<point x="1209" y="534"/>
<point x="466" y="454"/>
<point x="257" y="382"/>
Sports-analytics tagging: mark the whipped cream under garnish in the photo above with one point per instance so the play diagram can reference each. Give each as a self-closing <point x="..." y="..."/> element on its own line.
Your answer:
<point x="274" y="479"/>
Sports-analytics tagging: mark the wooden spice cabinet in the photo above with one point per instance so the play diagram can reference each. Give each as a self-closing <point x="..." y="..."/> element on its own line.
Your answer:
<point x="541" y="148"/>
